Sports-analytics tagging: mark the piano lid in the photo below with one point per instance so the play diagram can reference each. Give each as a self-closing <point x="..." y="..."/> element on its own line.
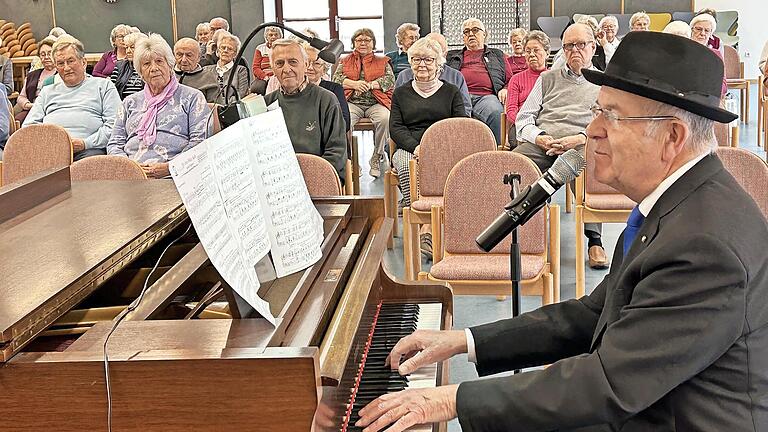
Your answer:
<point x="53" y="259"/>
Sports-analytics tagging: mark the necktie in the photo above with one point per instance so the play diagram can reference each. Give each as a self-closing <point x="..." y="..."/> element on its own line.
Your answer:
<point x="634" y="223"/>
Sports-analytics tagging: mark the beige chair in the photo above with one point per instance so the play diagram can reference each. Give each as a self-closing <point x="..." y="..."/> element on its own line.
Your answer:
<point x="106" y="167"/>
<point x="659" y="21"/>
<point x="504" y="133"/>
<point x="352" y="167"/>
<point x="442" y="146"/>
<point x="319" y="175"/>
<point x="734" y="74"/>
<point x="215" y="116"/>
<point x="598" y="203"/>
<point x="474" y="196"/>
<point x="33" y="149"/>
<point x="762" y="111"/>
<point x="14" y="124"/>
<point x="750" y="171"/>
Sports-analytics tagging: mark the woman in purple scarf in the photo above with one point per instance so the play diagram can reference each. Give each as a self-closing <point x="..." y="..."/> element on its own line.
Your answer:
<point x="163" y="120"/>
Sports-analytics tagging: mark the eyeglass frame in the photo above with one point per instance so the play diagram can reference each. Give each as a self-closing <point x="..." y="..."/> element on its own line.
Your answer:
<point x="365" y="40"/>
<point x="612" y="117"/>
<point x="702" y="30"/>
<point x="428" y="61"/>
<point x="571" y="45"/>
<point x="473" y="30"/>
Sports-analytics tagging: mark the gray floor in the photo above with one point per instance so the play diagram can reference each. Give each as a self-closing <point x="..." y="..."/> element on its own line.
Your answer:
<point x="473" y="310"/>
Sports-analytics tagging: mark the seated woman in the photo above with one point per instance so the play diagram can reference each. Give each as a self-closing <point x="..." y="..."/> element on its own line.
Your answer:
<point x="702" y="27"/>
<point x="163" y="120"/>
<point x="227" y="47"/>
<point x="516" y="63"/>
<point x="368" y="82"/>
<point x="105" y="66"/>
<point x="536" y="50"/>
<point x="416" y="106"/>
<point x="34" y="80"/>
<point x="261" y="68"/>
<point x="125" y="77"/>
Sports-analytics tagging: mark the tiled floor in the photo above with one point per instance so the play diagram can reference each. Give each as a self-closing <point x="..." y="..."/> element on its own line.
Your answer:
<point x="473" y="310"/>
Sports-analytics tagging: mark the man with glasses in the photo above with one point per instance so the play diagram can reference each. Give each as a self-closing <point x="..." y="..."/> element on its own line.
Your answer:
<point x="486" y="72"/>
<point x="553" y="118"/>
<point x="609" y="26"/>
<point x="675" y="338"/>
<point x="406" y="35"/>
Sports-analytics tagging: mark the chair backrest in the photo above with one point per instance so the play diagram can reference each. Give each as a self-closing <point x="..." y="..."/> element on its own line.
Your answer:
<point x="659" y="21"/>
<point x="11" y="120"/>
<point x="216" y="123"/>
<point x="732" y="62"/>
<point x="444" y="144"/>
<point x="33" y="149"/>
<point x="685" y="17"/>
<point x="578" y="16"/>
<point x="723" y="134"/>
<point x="553" y="26"/>
<point x="750" y="171"/>
<point x="106" y="167"/>
<point x="475" y="195"/>
<point x="623" y="20"/>
<point x="727" y="22"/>
<point x="319" y="175"/>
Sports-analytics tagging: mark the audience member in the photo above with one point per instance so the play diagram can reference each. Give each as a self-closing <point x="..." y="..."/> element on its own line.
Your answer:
<point x="553" y="118"/>
<point x="598" y="59"/>
<point x="679" y="28"/>
<point x="317" y="69"/>
<point x="714" y="41"/>
<point x="163" y="120"/>
<point x="32" y="84"/>
<point x="485" y="71"/>
<point x="219" y="23"/>
<point x="447" y="74"/>
<point x="536" y="49"/>
<point x="190" y="73"/>
<point x="640" y="21"/>
<point x="417" y="106"/>
<point x="125" y="77"/>
<point x="368" y="82"/>
<point x="5" y="121"/>
<point x="227" y="47"/>
<point x="83" y="105"/>
<point x="312" y="114"/>
<point x="609" y="26"/>
<point x="57" y="32"/>
<point x="702" y="27"/>
<point x="6" y="71"/>
<point x="516" y="62"/>
<point x="262" y="70"/>
<point x="406" y="35"/>
<point x="203" y="34"/>
<point x="763" y="66"/>
<point x="210" y="57"/>
<point x="105" y="66"/>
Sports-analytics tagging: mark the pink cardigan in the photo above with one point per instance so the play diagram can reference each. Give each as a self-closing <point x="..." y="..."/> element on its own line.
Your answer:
<point x="518" y="89"/>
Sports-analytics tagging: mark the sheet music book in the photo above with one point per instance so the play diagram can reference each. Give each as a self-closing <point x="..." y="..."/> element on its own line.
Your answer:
<point x="245" y="194"/>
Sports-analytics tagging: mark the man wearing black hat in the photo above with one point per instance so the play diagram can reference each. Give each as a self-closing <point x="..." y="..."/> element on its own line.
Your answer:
<point x="675" y="338"/>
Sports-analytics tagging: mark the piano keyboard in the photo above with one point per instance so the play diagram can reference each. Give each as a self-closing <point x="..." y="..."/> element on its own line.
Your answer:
<point x="393" y="322"/>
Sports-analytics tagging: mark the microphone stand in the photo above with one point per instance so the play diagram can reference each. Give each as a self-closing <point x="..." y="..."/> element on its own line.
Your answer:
<point x="515" y="264"/>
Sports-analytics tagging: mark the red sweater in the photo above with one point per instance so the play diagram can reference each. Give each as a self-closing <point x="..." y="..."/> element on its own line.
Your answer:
<point x="518" y="89"/>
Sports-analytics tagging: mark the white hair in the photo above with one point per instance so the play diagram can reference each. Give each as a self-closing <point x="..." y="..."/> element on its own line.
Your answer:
<point x="223" y="20"/>
<point x="637" y="16"/>
<point x="470" y="22"/>
<point x="680" y="28"/>
<point x="286" y="42"/>
<point x="152" y="44"/>
<point x="120" y="28"/>
<point x="404" y="28"/>
<point x="706" y="18"/>
<point x="67" y="41"/>
<point x="133" y="38"/>
<point x="203" y="26"/>
<point x="609" y="18"/>
<point x="702" y="139"/>
<point x="428" y="46"/>
<point x="227" y="35"/>
<point x="57" y="32"/>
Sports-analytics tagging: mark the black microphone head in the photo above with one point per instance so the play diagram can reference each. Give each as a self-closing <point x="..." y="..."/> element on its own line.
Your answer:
<point x="332" y="51"/>
<point x="568" y="166"/>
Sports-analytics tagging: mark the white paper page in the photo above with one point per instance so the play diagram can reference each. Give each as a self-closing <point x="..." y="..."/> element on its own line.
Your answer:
<point x="294" y="225"/>
<point x="192" y="171"/>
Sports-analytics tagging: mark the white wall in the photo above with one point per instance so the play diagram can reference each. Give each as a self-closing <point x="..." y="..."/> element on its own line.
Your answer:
<point x="752" y="28"/>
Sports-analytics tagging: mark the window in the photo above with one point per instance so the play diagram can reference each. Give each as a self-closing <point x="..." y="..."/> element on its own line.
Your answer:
<point x="334" y="18"/>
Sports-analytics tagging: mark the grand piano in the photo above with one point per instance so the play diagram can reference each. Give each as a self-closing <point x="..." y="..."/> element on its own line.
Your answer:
<point x="190" y="356"/>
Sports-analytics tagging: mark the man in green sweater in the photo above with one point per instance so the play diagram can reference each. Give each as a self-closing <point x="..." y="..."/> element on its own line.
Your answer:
<point x="312" y="114"/>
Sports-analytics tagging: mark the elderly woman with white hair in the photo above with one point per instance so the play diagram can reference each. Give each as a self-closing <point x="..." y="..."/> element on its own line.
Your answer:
<point x="607" y="38"/>
<point x="125" y="77"/>
<point x="163" y="120"/>
<point x="640" y="21"/>
<point x="516" y="62"/>
<point x="261" y="68"/>
<point x="417" y="106"/>
<point x="109" y="59"/>
<point x="227" y="47"/>
<point x="679" y="28"/>
<point x="406" y="35"/>
<point x="702" y="27"/>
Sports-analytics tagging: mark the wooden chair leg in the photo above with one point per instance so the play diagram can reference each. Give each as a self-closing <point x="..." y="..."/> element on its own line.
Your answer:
<point x="546" y="295"/>
<point x="580" y="283"/>
<point x="436" y="222"/>
<point x="349" y="188"/>
<point x="411" y="252"/>
<point x="734" y="136"/>
<point x="554" y="249"/>
<point x="746" y="104"/>
<point x="568" y="198"/>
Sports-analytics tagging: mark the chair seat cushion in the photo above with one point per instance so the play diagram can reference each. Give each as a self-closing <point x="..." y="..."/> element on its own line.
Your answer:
<point x="608" y="202"/>
<point x="425" y="203"/>
<point x="485" y="267"/>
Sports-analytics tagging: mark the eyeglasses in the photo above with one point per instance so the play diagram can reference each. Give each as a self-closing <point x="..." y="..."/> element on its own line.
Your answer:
<point x="363" y="40"/>
<point x="224" y="48"/>
<point x="533" y="51"/>
<point x="701" y="30"/>
<point x="411" y="38"/>
<point x="612" y="117"/>
<point x="608" y="27"/>
<point x="318" y="64"/>
<point x="70" y="62"/>
<point x="418" y="60"/>
<point x="473" y="30"/>
<point x="577" y="45"/>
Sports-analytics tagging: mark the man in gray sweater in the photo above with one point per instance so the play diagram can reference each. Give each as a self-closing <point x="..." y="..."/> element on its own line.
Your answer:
<point x="312" y="114"/>
<point x="556" y="114"/>
<point x="190" y="73"/>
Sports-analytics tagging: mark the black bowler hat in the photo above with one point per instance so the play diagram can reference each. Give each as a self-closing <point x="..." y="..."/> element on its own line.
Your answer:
<point x="669" y="69"/>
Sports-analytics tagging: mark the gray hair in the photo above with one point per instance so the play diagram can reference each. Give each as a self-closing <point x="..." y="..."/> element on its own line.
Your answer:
<point x="67" y="41"/>
<point x="120" y="28"/>
<point x="404" y="28"/>
<point x="133" y="38"/>
<point x="48" y="40"/>
<point x="637" y="16"/>
<point x="680" y="28"/>
<point x="702" y="139"/>
<point x="706" y="18"/>
<point x="226" y="23"/>
<point x="203" y="26"/>
<point x="287" y="42"/>
<point x="153" y="44"/>
<point x="469" y="22"/>
<point x="517" y="32"/>
<point x="540" y="37"/>
<point x="609" y="18"/>
<point x="57" y="32"/>
<point x="428" y="46"/>
<point x="273" y="29"/>
<point x="227" y="35"/>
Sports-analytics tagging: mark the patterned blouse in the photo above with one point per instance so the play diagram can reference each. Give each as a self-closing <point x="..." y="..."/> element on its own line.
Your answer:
<point x="181" y="124"/>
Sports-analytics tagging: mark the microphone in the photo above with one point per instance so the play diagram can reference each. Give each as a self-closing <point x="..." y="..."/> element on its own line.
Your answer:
<point x="566" y="168"/>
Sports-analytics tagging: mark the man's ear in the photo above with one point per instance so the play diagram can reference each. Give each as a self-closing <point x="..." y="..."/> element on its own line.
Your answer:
<point x="677" y="136"/>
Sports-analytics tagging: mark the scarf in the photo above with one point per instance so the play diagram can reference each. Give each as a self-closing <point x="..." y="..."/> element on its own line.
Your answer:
<point x="373" y="67"/>
<point x="427" y="88"/>
<point x="152" y="105"/>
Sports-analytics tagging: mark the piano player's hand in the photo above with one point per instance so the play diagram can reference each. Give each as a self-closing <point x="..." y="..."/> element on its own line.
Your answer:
<point x="424" y="347"/>
<point x="409" y="408"/>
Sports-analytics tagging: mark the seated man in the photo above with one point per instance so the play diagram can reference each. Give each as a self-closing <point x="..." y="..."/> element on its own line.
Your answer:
<point x="448" y="74"/>
<point x="485" y="70"/>
<point x="190" y="73"/>
<point x="83" y="105"/>
<point x="553" y="118"/>
<point x="312" y="113"/>
<point x="5" y="121"/>
<point x="675" y="338"/>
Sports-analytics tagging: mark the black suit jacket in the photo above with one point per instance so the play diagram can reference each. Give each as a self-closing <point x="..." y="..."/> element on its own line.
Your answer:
<point x="675" y="338"/>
